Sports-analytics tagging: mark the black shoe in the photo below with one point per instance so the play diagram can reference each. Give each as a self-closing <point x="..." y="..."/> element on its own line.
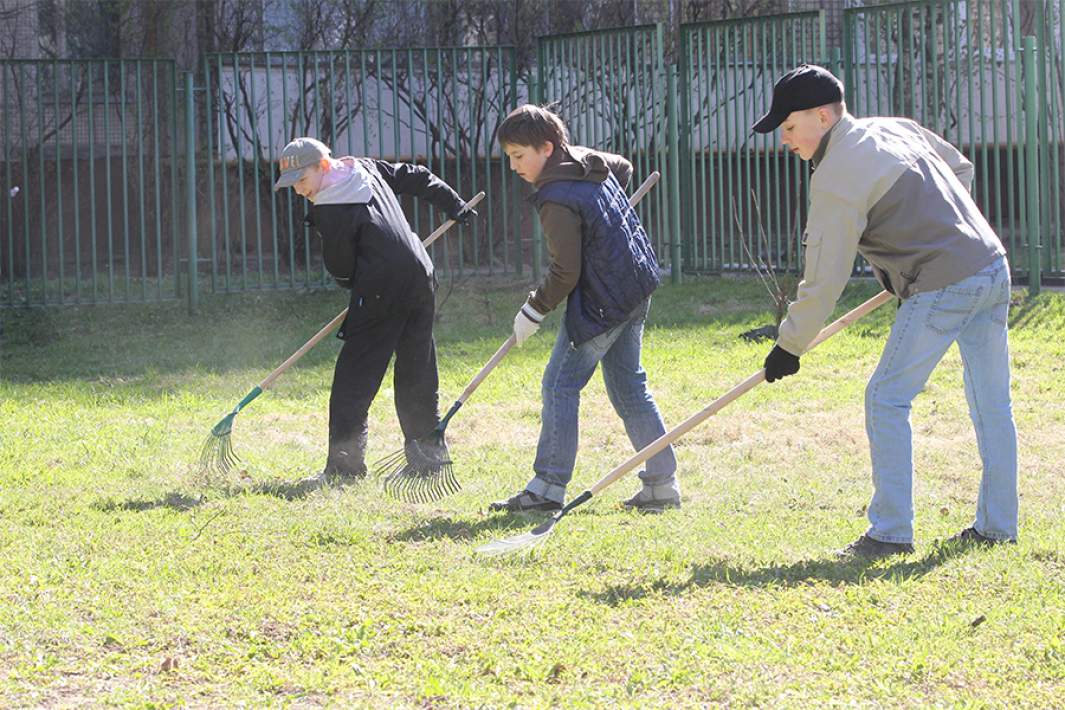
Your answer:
<point x="867" y="548"/>
<point x="525" y="501"/>
<point x="969" y="536"/>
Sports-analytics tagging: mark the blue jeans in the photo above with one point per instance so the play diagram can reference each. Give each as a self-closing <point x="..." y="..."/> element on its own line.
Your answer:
<point x="973" y="313"/>
<point x="567" y="372"/>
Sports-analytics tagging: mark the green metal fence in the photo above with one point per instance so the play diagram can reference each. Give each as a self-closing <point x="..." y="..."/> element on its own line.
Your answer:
<point x="89" y="200"/>
<point x="94" y="211"/>
<point x="957" y="68"/>
<point x="612" y="89"/>
<point x="744" y="198"/>
<point x="436" y="107"/>
<point x="1050" y="80"/>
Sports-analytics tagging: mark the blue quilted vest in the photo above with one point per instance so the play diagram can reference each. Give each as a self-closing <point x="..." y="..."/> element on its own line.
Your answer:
<point x="618" y="266"/>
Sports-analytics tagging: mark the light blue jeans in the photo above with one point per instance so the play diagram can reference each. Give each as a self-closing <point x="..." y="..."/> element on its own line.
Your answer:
<point x="973" y="313"/>
<point x="567" y="372"/>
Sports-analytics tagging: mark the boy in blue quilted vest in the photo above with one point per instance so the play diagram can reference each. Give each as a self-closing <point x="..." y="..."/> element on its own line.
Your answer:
<point x="602" y="264"/>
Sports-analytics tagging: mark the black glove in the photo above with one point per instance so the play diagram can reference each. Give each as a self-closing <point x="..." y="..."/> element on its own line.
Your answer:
<point x="780" y="363"/>
<point x="463" y="215"/>
<point x="343" y="282"/>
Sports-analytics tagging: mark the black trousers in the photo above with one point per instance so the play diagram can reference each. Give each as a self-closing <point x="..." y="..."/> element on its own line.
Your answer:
<point x="370" y="340"/>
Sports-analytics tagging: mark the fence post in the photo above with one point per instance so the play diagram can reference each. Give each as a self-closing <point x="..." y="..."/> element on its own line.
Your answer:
<point x="673" y="179"/>
<point x="190" y="194"/>
<point x="837" y="65"/>
<point x="1032" y="182"/>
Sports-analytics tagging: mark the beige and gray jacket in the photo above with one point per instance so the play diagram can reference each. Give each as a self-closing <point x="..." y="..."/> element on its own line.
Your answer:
<point x="897" y="194"/>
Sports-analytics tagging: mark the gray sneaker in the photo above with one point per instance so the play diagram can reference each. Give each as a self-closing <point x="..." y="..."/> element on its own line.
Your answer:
<point x="654" y="499"/>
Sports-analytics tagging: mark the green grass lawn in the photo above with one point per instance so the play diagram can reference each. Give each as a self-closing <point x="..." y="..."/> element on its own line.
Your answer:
<point x="128" y="580"/>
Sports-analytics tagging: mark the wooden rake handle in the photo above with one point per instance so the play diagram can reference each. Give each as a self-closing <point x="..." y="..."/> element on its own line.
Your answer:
<point x="642" y="190"/>
<point x="335" y="323"/>
<point x="488" y="367"/>
<point x="735" y="393"/>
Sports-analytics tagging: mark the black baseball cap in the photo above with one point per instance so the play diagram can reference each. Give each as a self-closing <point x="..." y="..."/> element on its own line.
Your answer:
<point x="806" y="86"/>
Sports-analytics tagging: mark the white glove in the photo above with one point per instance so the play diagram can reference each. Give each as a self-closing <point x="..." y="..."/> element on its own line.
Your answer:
<point x="526" y="322"/>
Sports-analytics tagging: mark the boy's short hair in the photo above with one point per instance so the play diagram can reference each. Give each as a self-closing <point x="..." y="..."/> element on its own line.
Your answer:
<point x="533" y="126"/>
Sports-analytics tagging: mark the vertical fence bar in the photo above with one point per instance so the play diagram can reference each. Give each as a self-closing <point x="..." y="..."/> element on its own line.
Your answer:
<point x="58" y="178"/>
<point x="1016" y="214"/>
<point x="1031" y="140"/>
<point x="1044" y="133"/>
<point x="108" y="183"/>
<point x="42" y="189"/>
<point x="140" y="180"/>
<point x="9" y="196"/>
<point x="92" y="184"/>
<point x="686" y="146"/>
<point x="157" y="179"/>
<point x="238" y="148"/>
<point x="674" y="180"/>
<point x="288" y="132"/>
<point x="1056" y="51"/>
<point x="125" y="174"/>
<point x="224" y="167"/>
<point x="190" y="194"/>
<point x="269" y="182"/>
<point x="984" y="160"/>
<point x="256" y="147"/>
<point x="75" y="93"/>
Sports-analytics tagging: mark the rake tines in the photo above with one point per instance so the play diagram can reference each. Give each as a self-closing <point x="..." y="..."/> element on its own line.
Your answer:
<point x="391" y="464"/>
<point x="422" y="471"/>
<point x="217" y="453"/>
<point x="423" y="482"/>
<point x="524" y="543"/>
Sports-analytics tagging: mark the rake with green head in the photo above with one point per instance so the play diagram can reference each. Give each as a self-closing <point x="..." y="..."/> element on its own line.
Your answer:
<point x="422" y="471"/>
<point x="527" y="541"/>
<point x="217" y="453"/>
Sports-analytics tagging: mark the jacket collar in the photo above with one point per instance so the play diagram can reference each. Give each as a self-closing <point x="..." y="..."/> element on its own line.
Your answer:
<point x="843" y="125"/>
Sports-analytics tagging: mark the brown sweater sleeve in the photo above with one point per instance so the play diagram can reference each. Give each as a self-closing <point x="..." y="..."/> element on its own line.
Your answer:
<point x="562" y="231"/>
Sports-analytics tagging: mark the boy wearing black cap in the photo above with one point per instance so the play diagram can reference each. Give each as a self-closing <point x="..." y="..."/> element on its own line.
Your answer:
<point x="369" y="248"/>
<point x="897" y="194"/>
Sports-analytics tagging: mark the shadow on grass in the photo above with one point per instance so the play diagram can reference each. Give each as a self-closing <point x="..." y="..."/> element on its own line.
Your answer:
<point x="462" y="529"/>
<point x="721" y="571"/>
<point x="175" y="500"/>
